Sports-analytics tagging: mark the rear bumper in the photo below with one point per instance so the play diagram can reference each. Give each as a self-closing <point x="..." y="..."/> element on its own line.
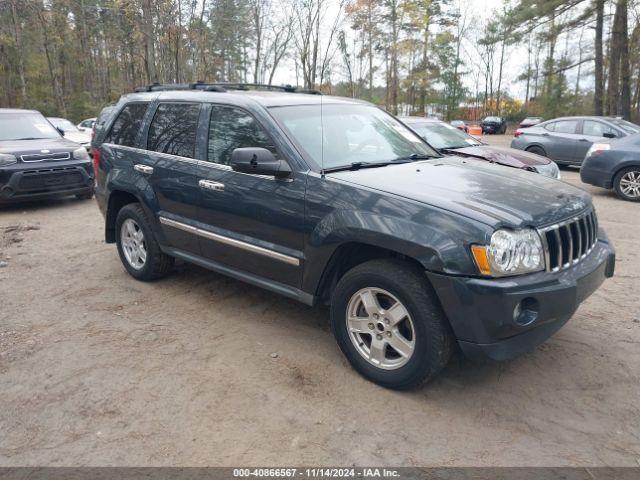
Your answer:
<point x="45" y="180"/>
<point x="484" y="313"/>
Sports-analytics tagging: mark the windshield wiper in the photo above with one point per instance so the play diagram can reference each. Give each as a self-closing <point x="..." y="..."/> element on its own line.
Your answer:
<point x="413" y="157"/>
<point x="359" y="165"/>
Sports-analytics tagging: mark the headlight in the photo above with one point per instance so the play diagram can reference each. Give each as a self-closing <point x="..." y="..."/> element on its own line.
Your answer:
<point x="81" y="154"/>
<point x="7" y="159"/>
<point x="597" y="148"/>
<point x="549" y="170"/>
<point x="511" y="252"/>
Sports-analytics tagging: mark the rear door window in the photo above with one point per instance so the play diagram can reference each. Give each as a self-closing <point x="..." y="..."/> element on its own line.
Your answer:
<point x="126" y="127"/>
<point x="566" y="126"/>
<point x="173" y="129"/>
<point x="232" y="128"/>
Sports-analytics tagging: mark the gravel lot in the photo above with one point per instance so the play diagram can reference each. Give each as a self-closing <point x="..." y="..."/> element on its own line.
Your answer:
<point x="199" y="369"/>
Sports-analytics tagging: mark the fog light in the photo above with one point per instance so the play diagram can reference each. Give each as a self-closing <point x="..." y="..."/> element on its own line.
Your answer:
<point x="526" y="312"/>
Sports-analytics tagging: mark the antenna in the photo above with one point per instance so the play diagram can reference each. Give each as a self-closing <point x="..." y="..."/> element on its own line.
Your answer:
<point x="321" y="139"/>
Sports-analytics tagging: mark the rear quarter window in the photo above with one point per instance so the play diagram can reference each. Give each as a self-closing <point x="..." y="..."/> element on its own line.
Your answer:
<point x="125" y="128"/>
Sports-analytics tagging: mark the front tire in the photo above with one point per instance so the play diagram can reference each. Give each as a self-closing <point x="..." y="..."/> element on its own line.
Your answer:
<point x="139" y="251"/>
<point x="627" y="184"/>
<point x="389" y="324"/>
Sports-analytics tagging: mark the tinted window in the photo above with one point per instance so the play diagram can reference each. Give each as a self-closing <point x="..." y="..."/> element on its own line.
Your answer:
<point x="232" y="128"/>
<point x="126" y="127"/>
<point x="626" y="126"/>
<point x="173" y="129"/>
<point x="596" y="129"/>
<point x="565" y="126"/>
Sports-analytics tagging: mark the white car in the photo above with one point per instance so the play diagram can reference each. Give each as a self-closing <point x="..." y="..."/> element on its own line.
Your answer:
<point x="86" y="124"/>
<point x="71" y="132"/>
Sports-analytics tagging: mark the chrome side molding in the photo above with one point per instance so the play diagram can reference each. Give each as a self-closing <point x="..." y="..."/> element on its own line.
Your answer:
<point x="231" y="241"/>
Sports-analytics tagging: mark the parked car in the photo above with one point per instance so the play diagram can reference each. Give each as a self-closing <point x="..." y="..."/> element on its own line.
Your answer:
<point x="460" y="125"/>
<point x="493" y="125"/>
<point x="566" y="140"/>
<point x="448" y="140"/>
<point x="615" y="164"/>
<point x="86" y="124"/>
<point x="331" y="200"/>
<point x="530" y="122"/>
<point x="36" y="162"/>
<point x="70" y="131"/>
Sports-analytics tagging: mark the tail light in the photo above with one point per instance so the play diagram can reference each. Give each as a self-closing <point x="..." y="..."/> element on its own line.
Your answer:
<point x="517" y="133"/>
<point x="95" y="153"/>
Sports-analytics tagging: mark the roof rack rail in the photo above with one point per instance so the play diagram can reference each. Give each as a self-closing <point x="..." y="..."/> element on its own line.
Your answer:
<point x="222" y="87"/>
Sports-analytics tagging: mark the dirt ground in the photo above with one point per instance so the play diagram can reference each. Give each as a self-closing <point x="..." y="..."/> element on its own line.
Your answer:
<point x="198" y="369"/>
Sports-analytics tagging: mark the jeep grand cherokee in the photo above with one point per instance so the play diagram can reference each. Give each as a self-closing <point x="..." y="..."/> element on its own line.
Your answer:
<point x="332" y="200"/>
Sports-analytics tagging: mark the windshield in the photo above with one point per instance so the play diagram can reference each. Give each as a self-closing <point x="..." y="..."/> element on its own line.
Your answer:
<point x="25" y="126"/>
<point x="64" y="124"/>
<point x="352" y="133"/>
<point x="441" y="135"/>
<point x="628" y="127"/>
<point x="492" y="119"/>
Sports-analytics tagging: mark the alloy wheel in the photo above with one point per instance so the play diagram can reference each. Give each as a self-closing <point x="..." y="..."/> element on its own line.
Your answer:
<point x="630" y="184"/>
<point x="133" y="243"/>
<point x="380" y="328"/>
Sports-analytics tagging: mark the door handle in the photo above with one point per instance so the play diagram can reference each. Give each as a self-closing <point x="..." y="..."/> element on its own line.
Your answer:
<point x="583" y="140"/>
<point x="545" y="134"/>
<point x="146" y="169"/>
<point x="211" y="185"/>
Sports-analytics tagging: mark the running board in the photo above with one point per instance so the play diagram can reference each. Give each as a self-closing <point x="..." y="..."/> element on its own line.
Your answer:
<point x="256" y="280"/>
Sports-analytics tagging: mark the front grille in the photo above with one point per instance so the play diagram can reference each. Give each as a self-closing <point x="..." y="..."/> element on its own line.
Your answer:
<point x="41" y="157"/>
<point x="568" y="242"/>
<point x="50" y="179"/>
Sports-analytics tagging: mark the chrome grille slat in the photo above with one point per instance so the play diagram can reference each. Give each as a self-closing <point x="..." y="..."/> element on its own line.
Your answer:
<point x="568" y="242"/>
<point x="41" y="157"/>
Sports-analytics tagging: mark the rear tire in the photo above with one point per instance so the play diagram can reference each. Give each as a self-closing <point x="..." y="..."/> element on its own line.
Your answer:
<point x="139" y="251"/>
<point x="389" y="324"/>
<point x="537" y="150"/>
<point x="626" y="184"/>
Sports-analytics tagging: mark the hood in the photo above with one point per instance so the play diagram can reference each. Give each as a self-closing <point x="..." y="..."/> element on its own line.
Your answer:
<point x="503" y="155"/>
<point x="483" y="191"/>
<point x="30" y="147"/>
<point x="78" y="137"/>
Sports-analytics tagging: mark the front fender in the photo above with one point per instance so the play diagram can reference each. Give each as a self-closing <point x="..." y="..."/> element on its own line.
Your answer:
<point x="438" y="240"/>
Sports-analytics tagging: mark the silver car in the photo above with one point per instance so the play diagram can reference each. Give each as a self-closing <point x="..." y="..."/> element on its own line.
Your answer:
<point x="566" y="140"/>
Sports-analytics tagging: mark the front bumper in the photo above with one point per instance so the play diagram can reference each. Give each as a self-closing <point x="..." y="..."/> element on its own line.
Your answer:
<point x="483" y="312"/>
<point x="41" y="180"/>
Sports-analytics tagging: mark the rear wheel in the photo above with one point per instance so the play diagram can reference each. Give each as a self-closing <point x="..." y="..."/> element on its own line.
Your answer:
<point x="537" y="150"/>
<point x="389" y="324"/>
<point x="627" y="184"/>
<point x="138" y="249"/>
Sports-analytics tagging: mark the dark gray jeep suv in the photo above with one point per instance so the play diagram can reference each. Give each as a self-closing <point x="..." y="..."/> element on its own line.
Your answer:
<point x="332" y="200"/>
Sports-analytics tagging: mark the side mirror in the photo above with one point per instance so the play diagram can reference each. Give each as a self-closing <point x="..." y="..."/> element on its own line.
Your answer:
<point x="60" y="131"/>
<point x="609" y="135"/>
<point x="259" y="161"/>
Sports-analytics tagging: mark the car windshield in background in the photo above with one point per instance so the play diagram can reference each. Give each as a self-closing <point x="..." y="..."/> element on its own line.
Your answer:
<point x="442" y="136"/>
<point x="628" y="127"/>
<point x="64" y="124"/>
<point x="351" y="134"/>
<point x="25" y="126"/>
<point x="492" y="119"/>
